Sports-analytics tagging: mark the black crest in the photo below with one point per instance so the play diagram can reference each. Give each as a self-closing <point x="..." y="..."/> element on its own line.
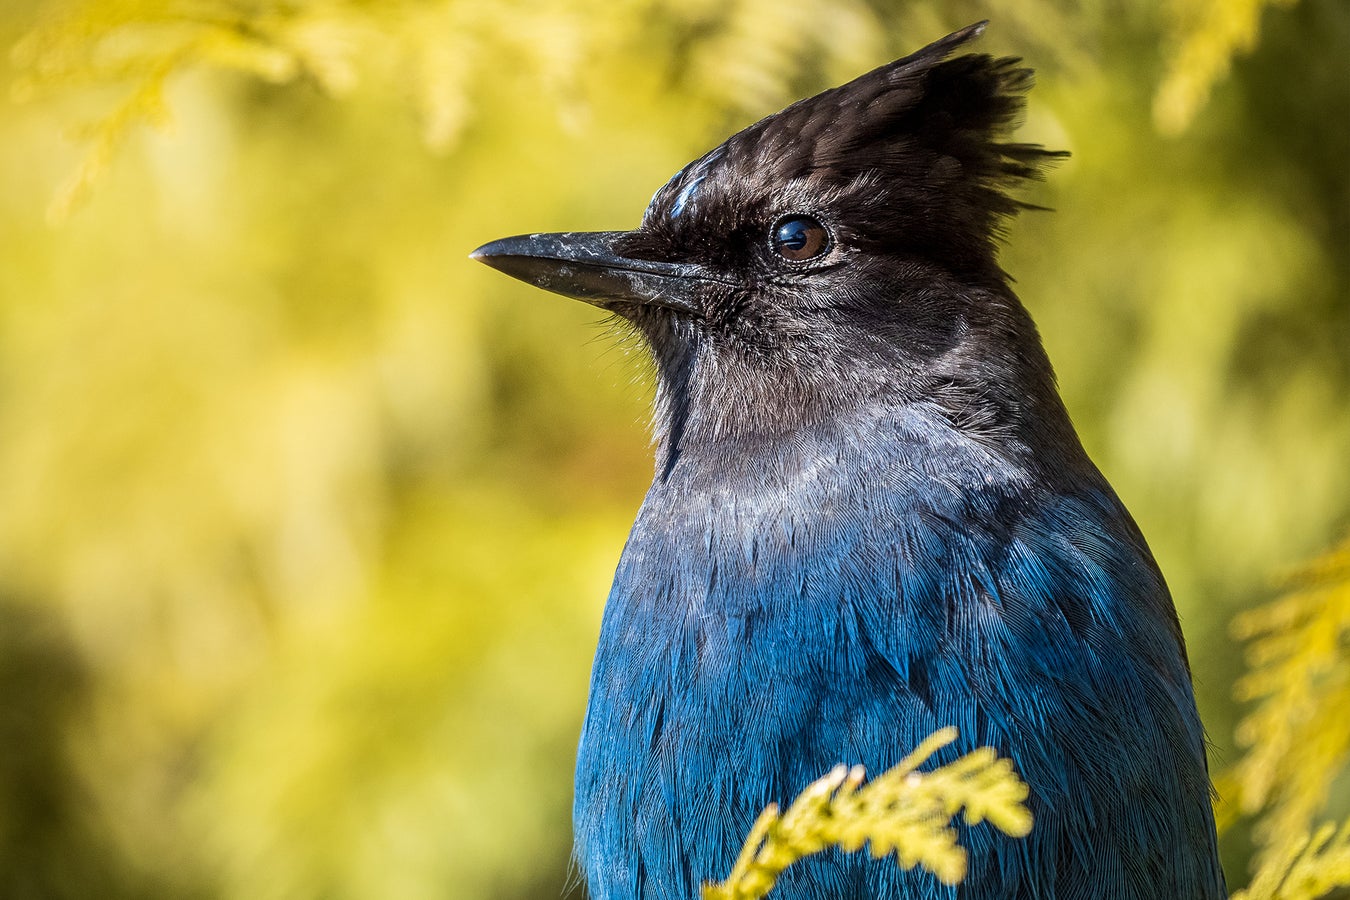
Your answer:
<point x="920" y="145"/>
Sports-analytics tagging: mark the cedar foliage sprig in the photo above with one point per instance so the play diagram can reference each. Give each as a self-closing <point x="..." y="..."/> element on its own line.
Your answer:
<point x="1206" y="37"/>
<point x="435" y="52"/>
<point x="1296" y="736"/>
<point x="902" y="811"/>
<point x="1304" y="869"/>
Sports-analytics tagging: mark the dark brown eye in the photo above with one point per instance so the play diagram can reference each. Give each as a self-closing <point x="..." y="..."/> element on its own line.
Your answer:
<point x="799" y="237"/>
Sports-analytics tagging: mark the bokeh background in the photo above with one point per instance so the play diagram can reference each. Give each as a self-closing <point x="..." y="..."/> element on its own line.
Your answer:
<point x="306" y="521"/>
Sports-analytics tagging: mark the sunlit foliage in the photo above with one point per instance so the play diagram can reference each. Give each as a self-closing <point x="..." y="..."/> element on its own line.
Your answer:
<point x="1296" y="738"/>
<point x="1207" y="35"/>
<point x="1305" y="868"/>
<point x="902" y="811"/>
<point x="435" y="51"/>
<point x="307" y="522"/>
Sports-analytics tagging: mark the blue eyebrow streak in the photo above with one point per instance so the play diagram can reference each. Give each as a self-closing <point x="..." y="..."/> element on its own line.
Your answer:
<point x="685" y="196"/>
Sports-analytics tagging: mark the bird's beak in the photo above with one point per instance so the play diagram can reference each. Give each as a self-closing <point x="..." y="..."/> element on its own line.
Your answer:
<point x="587" y="265"/>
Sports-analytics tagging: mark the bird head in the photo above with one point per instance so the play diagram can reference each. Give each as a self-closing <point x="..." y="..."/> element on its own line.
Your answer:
<point x="840" y="252"/>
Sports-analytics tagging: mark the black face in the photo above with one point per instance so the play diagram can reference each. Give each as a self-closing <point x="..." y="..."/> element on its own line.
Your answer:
<point x="807" y="272"/>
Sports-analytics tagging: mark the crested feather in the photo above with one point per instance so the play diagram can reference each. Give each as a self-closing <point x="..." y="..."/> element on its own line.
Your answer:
<point x="925" y="136"/>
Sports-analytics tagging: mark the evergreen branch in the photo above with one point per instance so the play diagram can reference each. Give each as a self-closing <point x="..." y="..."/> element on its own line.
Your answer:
<point x="902" y="811"/>
<point x="1298" y="679"/>
<point x="433" y="52"/>
<point x="1305" y="869"/>
<point x="1208" y="35"/>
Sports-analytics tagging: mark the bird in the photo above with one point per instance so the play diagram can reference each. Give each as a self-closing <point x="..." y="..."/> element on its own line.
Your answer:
<point x="870" y="517"/>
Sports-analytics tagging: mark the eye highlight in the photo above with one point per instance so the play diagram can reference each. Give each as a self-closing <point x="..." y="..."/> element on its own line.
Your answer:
<point x="797" y="238"/>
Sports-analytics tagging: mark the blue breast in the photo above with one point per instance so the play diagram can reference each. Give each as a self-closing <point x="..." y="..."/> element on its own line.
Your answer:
<point x="832" y="600"/>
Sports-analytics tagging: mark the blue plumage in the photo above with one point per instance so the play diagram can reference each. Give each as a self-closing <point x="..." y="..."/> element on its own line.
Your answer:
<point x="871" y="518"/>
<point x="869" y="610"/>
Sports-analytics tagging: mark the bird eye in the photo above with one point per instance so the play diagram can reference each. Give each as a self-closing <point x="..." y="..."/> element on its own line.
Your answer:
<point x="799" y="237"/>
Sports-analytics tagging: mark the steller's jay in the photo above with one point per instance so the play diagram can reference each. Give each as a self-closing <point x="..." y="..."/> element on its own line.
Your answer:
<point x="871" y="518"/>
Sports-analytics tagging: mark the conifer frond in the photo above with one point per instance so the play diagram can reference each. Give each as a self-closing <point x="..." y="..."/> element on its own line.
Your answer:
<point x="902" y="811"/>
<point x="433" y="52"/>
<point x="1305" y="869"/>
<point x="1297" y="736"/>
<point x="140" y="46"/>
<point x="1207" y="35"/>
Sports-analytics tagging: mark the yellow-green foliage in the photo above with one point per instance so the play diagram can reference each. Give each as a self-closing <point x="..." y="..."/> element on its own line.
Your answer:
<point x="1296" y="738"/>
<point x="1208" y="34"/>
<point x="902" y="811"/>
<point x="436" y="50"/>
<point x="1305" y="868"/>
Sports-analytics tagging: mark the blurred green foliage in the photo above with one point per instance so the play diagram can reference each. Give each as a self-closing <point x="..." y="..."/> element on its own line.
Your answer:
<point x="1295" y="733"/>
<point x="1312" y="866"/>
<point x="307" y="521"/>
